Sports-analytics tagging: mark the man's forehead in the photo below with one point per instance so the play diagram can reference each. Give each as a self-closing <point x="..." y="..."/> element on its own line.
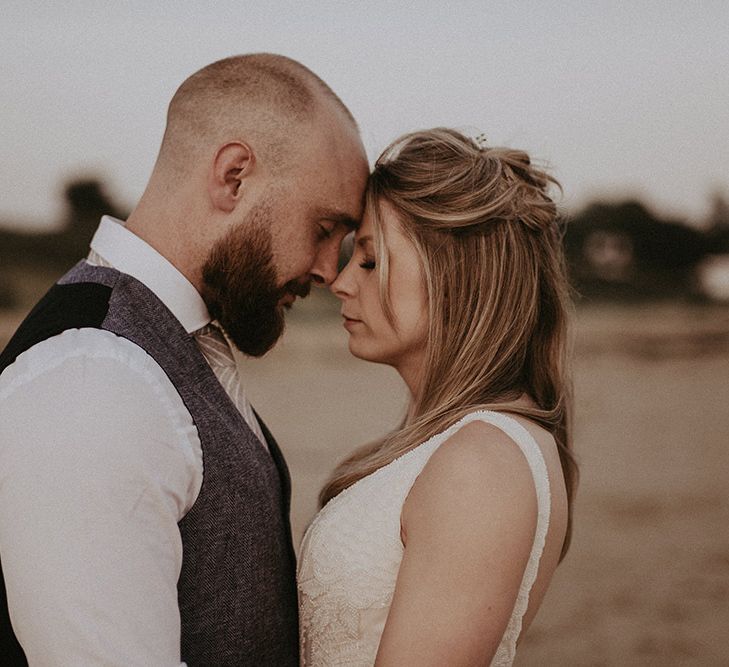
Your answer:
<point x="340" y="156"/>
<point x="336" y="176"/>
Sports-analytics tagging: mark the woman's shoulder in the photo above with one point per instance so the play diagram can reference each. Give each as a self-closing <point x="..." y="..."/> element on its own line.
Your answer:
<point x="477" y="467"/>
<point x="486" y="488"/>
<point x="491" y="438"/>
<point x="485" y="445"/>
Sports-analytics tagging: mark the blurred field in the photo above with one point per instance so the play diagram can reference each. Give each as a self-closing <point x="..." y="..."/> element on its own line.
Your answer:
<point x="647" y="579"/>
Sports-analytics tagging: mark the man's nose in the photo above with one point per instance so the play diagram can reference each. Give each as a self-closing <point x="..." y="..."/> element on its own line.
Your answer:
<point x="324" y="270"/>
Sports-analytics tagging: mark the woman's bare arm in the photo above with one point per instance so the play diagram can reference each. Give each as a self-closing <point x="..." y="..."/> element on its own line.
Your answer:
<point x="468" y="528"/>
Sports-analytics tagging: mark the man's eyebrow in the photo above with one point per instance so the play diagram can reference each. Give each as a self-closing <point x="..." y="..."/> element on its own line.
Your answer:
<point x="338" y="217"/>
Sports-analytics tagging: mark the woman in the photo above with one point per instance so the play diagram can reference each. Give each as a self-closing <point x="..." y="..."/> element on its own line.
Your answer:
<point x="435" y="546"/>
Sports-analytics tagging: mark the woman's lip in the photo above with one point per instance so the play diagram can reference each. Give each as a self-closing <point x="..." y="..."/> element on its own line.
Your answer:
<point x="349" y="322"/>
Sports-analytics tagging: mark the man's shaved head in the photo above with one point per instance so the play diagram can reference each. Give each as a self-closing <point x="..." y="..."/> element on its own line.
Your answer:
<point x="260" y="176"/>
<point x="264" y="99"/>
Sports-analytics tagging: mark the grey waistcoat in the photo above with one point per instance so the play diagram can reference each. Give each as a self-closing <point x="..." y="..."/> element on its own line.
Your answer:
<point x="237" y="588"/>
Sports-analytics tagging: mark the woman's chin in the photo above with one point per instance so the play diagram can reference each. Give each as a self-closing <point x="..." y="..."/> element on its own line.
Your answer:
<point x="366" y="353"/>
<point x="356" y="350"/>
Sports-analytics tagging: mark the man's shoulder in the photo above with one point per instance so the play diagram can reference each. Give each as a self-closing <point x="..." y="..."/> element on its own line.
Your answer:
<point x="75" y="356"/>
<point x="64" y="307"/>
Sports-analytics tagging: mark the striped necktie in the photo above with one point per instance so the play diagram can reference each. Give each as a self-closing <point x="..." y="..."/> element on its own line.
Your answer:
<point x="215" y="347"/>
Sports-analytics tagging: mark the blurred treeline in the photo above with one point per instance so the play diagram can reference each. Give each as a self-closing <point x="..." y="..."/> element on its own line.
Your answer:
<point x="615" y="251"/>
<point x="31" y="261"/>
<point x="622" y="251"/>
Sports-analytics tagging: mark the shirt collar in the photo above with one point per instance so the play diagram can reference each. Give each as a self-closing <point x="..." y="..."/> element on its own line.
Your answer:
<point x="128" y="253"/>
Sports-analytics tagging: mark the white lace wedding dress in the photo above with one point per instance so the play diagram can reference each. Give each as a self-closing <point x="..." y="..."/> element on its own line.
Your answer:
<point x="351" y="554"/>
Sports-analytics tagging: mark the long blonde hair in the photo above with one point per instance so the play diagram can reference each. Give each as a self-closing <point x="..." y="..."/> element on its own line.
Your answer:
<point x="488" y="239"/>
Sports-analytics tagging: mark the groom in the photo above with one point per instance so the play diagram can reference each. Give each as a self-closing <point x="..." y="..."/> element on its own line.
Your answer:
<point x="143" y="504"/>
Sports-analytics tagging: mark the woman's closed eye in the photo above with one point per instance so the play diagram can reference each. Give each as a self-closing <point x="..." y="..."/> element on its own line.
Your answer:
<point x="367" y="264"/>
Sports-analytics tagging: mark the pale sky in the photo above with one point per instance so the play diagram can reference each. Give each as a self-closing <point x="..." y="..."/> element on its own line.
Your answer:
<point x="619" y="98"/>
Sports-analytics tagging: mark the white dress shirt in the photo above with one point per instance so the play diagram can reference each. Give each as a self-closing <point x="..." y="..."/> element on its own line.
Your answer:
<point x="99" y="461"/>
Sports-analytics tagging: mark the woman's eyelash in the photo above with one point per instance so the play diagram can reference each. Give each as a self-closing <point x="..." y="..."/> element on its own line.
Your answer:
<point x="368" y="264"/>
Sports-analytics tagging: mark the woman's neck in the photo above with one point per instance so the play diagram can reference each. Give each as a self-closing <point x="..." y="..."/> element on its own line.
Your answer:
<point x="411" y="370"/>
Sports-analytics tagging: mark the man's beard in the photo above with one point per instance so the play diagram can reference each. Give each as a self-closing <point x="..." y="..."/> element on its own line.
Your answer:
<point x="239" y="285"/>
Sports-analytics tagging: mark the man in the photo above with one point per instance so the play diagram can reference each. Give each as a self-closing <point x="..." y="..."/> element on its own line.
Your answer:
<point x="143" y="505"/>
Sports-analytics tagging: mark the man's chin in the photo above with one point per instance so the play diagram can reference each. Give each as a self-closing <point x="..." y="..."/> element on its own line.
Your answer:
<point x="257" y="348"/>
<point x="255" y="332"/>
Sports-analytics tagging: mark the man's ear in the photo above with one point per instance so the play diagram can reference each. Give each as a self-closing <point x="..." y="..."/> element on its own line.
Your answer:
<point x="232" y="163"/>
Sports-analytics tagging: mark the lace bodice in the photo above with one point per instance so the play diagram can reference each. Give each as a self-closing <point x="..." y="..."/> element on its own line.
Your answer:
<point x="351" y="554"/>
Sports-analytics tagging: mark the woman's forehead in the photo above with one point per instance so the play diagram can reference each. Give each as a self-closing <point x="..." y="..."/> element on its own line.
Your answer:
<point x="386" y="219"/>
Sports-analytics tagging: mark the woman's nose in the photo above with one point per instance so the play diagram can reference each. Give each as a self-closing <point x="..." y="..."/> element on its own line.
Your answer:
<point x="343" y="285"/>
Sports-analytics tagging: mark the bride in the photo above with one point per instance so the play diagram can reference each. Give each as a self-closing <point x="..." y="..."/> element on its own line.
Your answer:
<point x="436" y="544"/>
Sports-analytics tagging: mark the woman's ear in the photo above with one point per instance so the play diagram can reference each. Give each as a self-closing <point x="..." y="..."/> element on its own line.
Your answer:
<point x="232" y="163"/>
